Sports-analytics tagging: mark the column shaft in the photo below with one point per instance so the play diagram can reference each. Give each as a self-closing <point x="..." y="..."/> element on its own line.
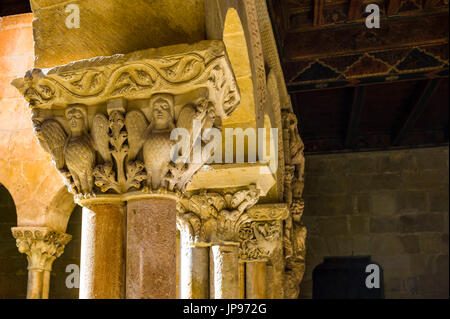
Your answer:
<point x="194" y="275"/>
<point x="151" y="248"/>
<point x="225" y="271"/>
<point x="102" y="270"/>
<point x="35" y="281"/>
<point x="256" y="280"/>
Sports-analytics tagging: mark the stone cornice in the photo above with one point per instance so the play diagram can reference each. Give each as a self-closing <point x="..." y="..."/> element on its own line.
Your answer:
<point x="174" y="69"/>
<point x="41" y="245"/>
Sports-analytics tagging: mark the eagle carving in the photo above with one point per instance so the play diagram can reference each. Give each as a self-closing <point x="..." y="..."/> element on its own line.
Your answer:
<point x="73" y="152"/>
<point x="154" y="138"/>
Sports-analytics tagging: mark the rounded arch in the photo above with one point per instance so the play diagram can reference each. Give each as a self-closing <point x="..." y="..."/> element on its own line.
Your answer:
<point x="237" y="49"/>
<point x="60" y="209"/>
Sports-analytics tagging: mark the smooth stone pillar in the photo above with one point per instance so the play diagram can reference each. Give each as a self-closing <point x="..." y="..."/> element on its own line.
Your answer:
<point x="46" y="284"/>
<point x="102" y="271"/>
<point x="255" y="278"/>
<point x="35" y="283"/>
<point x="151" y="249"/>
<point x="225" y="259"/>
<point x="242" y="280"/>
<point x="194" y="276"/>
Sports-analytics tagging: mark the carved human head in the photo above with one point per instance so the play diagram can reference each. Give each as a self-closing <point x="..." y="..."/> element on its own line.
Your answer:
<point x="76" y="115"/>
<point x="162" y="111"/>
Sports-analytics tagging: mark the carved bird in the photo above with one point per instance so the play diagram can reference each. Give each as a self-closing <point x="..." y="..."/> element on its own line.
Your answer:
<point x="79" y="151"/>
<point x="80" y="160"/>
<point x="52" y="138"/>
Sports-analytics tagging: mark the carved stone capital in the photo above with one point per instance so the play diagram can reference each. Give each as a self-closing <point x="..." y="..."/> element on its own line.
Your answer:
<point x="107" y="121"/>
<point x="208" y="217"/>
<point x="41" y="245"/>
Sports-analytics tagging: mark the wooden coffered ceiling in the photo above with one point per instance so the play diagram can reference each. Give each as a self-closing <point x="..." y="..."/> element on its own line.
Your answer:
<point x="355" y="88"/>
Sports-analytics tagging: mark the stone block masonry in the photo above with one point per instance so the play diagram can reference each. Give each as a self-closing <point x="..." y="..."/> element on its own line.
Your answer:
<point x="391" y="205"/>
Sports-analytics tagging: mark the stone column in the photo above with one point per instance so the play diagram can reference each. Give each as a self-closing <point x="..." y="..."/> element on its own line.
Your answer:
<point x="255" y="279"/>
<point x="102" y="269"/>
<point x="151" y="249"/>
<point x="42" y="246"/>
<point x="194" y="272"/>
<point x="225" y="270"/>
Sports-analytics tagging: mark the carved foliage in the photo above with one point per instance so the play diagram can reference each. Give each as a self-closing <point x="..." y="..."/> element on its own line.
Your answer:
<point x="210" y="216"/>
<point x="41" y="245"/>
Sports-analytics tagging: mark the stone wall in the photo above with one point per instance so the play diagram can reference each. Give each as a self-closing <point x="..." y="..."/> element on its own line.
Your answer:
<point x="25" y="168"/>
<point x="391" y="205"/>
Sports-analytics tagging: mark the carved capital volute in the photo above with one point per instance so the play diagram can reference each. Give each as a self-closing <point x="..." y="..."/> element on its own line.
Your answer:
<point x="41" y="245"/>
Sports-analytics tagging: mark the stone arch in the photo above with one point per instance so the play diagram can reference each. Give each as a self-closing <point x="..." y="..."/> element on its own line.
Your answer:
<point x="216" y="14"/>
<point x="13" y="265"/>
<point x="237" y="49"/>
<point x="60" y="209"/>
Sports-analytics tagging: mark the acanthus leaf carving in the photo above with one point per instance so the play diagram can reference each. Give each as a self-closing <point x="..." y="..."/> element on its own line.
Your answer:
<point x="41" y="245"/>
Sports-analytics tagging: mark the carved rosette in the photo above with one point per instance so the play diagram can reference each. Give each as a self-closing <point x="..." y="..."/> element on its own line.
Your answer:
<point x="107" y="122"/>
<point x="41" y="245"/>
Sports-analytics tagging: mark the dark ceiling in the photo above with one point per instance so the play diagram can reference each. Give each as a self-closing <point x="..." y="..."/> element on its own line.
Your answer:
<point x="354" y="88"/>
<point x="11" y="7"/>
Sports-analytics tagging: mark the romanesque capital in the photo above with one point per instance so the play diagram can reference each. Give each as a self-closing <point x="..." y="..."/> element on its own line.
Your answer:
<point x="108" y="122"/>
<point x="215" y="216"/>
<point x="208" y="218"/>
<point x="41" y="245"/>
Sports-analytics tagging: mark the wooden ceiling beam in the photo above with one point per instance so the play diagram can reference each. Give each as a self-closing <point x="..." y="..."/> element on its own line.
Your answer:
<point x="414" y="113"/>
<point x="355" y="116"/>
<point x="318" y="12"/>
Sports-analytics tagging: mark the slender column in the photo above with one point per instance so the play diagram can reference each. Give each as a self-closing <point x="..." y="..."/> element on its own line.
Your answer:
<point x="42" y="246"/>
<point x="151" y="248"/>
<point x="256" y="280"/>
<point x="241" y="280"/>
<point x="194" y="276"/>
<point x="102" y="270"/>
<point x="226" y="271"/>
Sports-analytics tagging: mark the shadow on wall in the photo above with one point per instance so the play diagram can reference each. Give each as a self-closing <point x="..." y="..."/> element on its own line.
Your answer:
<point x="13" y="265"/>
<point x="65" y="280"/>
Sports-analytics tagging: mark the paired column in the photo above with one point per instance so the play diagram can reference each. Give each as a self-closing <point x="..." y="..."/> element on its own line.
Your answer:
<point x="151" y="249"/>
<point x="102" y="269"/>
<point x="216" y="235"/>
<point x="42" y="246"/>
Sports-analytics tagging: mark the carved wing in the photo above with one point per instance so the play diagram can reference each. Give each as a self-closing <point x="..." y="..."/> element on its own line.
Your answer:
<point x="52" y="138"/>
<point x="100" y="136"/>
<point x="186" y="117"/>
<point x="136" y="124"/>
